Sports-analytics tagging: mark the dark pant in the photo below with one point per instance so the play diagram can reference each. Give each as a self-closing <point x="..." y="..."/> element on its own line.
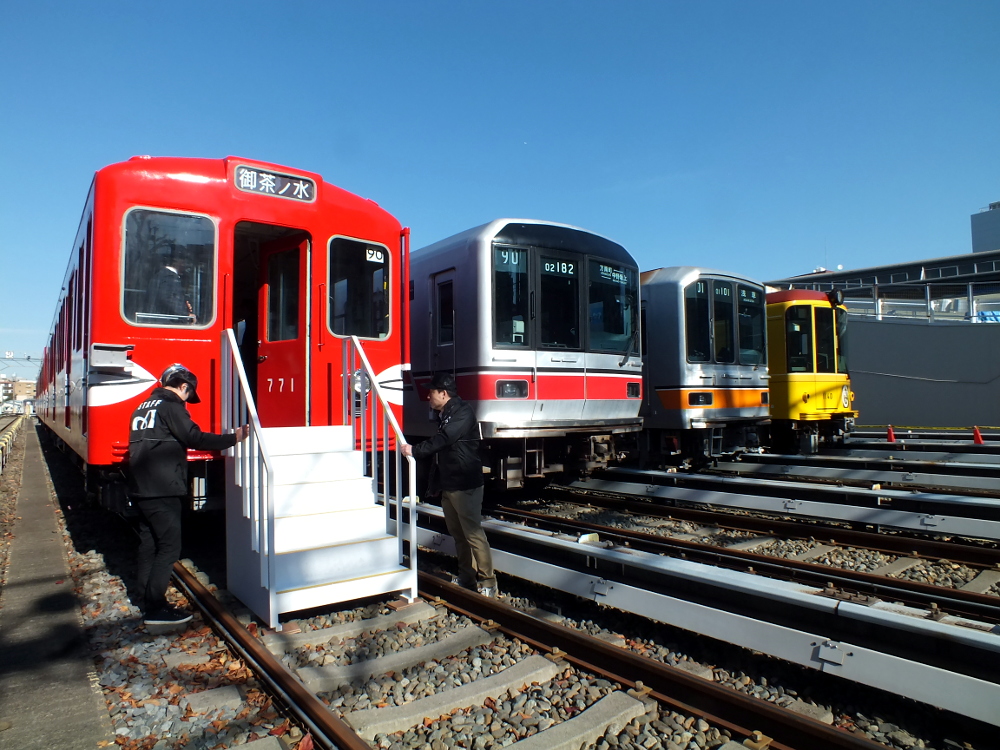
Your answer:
<point x="463" y="514"/>
<point x="159" y="547"/>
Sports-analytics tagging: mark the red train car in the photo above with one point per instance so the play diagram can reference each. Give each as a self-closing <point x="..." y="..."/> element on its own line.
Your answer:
<point x="170" y="252"/>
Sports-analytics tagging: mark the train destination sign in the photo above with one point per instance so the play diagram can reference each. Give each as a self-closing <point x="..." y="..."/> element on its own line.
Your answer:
<point x="611" y="273"/>
<point x="263" y="182"/>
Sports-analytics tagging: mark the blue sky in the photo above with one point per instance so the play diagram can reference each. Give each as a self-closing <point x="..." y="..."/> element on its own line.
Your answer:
<point x="761" y="137"/>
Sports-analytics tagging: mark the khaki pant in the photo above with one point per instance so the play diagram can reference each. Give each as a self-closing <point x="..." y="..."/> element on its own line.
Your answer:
<point x="463" y="514"/>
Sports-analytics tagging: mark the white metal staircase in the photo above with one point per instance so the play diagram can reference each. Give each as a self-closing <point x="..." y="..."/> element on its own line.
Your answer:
<point x="306" y="522"/>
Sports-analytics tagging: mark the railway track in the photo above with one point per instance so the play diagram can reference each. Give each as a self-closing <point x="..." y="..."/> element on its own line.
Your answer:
<point x="967" y="473"/>
<point x="639" y="526"/>
<point x="870" y="506"/>
<point x="556" y="685"/>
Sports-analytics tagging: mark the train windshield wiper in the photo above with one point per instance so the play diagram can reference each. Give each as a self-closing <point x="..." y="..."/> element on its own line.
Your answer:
<point x="628" y="349"/>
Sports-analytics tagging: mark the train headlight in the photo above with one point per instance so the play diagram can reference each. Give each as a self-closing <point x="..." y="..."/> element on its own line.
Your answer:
<point x="845" y="397"/>
<point x="632" y="390"/>
<point x="512" y="389"/>
<point x="700" y="398"/>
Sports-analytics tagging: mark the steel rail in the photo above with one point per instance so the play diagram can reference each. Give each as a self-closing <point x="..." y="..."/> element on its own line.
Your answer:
<point x="955" y="551"/>
<point x="723" y="707"/>
<point x="328" y="731"/>
<point x="953" y="601"/>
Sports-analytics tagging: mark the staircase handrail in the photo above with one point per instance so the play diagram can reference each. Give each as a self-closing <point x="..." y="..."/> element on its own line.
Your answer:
<point x="388" y="420"/>
<point x="258" y="504"/>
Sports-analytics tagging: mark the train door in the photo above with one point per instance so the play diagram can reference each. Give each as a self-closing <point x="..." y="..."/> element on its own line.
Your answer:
<point x="443" y="356"/>
<point x="282" y="347"/>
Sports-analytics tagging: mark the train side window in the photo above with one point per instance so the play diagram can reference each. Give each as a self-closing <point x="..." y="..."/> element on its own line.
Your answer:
<point x="722" y="322"/>
<point x="446" y="313"/>
<point x="283" y="296"/>
<point x="510" y="297"/>
<point x="559" y="303"/>
<point x="825" y="351"/>
<point x="841" y="340"/>
<point x="752" y="323"/>
<point x="169" y="269"/>
<point x="798" y="338"/>
<point x="611" y="307"/>
<point x="359" y="289"/>
<point x="697" y="322"/>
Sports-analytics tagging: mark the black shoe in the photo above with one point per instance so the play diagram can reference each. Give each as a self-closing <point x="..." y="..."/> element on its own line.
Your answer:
<point x="167" y="616"/>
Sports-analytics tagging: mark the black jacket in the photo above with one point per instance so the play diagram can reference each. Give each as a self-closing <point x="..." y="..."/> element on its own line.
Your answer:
<point x="456" y="444"/>
<point x="161" y="431"/>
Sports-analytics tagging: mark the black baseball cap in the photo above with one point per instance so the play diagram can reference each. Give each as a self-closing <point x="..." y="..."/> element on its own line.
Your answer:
<point x="175" y="375"/>
<point x="444" y="381"/>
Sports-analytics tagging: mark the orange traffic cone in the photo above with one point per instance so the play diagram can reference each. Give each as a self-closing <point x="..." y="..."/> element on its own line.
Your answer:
<point x="977" y="436"/>
<point x="890" y="436"/>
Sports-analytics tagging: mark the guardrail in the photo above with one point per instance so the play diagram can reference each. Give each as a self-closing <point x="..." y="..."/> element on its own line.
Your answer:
<point x="961" y="303"/>
<point x="7" y="438"/>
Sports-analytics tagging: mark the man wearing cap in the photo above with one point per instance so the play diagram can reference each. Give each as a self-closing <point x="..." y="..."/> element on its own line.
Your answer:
<point x="458" y="474"/>
<point x="161" y="431"/>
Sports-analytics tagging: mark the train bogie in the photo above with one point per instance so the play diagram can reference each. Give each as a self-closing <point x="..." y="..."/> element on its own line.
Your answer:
<point x="538" y="322"/>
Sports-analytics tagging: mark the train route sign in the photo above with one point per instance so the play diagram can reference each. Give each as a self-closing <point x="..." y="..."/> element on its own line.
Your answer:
<point x="264" y="182"/>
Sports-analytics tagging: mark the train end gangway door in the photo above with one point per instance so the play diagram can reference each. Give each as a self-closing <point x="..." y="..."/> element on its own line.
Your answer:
<point x="283" y="335"/>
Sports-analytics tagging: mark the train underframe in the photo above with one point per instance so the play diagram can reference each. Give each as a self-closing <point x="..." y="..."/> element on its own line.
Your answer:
<point x="511" y="463"/>
<point x="699" y="445"/>
<point x="807" y="436"/>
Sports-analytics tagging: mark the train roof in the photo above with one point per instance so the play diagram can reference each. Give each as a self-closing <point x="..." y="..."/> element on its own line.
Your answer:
<point x="797" y="295"/>
<point x="538" y="233"/>
<point x="686" y="274"/>
<point x="206" y="171"/>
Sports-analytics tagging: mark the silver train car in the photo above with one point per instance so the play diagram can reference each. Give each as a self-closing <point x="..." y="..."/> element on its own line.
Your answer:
<point x="705" y="364"/>
<point x="539" y="323"/>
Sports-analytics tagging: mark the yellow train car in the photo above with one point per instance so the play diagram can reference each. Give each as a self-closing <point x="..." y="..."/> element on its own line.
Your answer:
<point x="810" y="388"/>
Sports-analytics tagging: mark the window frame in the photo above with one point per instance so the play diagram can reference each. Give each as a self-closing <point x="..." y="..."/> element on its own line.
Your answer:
<point x="634" y="320"/>
<point x="329" y="292"/>
<point x="215" y="268"/>
<point x="529" y="333"/>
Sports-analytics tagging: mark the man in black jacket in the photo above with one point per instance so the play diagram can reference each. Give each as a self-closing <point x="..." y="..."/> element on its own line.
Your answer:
<point x="161" y="431"/>
<point x="458" y="474"/>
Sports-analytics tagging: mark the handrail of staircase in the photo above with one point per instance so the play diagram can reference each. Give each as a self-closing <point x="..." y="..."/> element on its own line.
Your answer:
<point x="253" y="464"/>
<point x="388" y="421"/>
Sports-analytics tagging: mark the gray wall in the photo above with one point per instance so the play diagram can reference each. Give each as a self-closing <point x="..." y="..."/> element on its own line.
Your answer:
<point x="918" y="374"/>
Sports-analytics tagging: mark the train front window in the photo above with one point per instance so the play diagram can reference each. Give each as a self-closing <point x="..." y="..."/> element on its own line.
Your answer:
<point x="752" y="324"/>
<point x="841" y="340"/>
<point x="510" y="296"/>
<point x="798" y="338"/>
<point x="612" y="309"/>
<point x="559" y="303"/>
<point x="825" y="356"/>
<point x="722" y="314"/>
<point x="358" y="289"/>
<point x="169" y="269"/>
<point x="697" y="322"/>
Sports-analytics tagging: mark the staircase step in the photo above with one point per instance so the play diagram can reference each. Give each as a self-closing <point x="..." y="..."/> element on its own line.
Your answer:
<point x="316" y="467"/>
<point x="305" y="532"/>
<point x="396" y="578"/>
<point x="323" y="497"/>
<point x="334" y="562"/>
<point x="287" y="441"/>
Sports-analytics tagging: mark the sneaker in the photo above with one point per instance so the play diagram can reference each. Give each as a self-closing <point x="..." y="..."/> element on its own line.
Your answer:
<point x="459" y="582"/>
<point x="168" y="616"/>
<point x="490" y="592"/>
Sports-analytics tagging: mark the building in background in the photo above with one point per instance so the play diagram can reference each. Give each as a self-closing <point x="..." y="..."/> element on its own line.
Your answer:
<point x="986" y="229"/>
<point x="24" y="389"/>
